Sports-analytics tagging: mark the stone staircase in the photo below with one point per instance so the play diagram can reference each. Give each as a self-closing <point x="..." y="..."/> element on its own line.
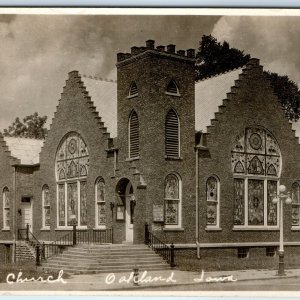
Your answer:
<point x="111" y="258"/>
<point x="24" y="252"/>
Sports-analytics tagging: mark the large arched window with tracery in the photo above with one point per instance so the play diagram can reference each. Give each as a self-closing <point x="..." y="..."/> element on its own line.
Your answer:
<point x="256" y="165"/>
<point x="72" y="166"/>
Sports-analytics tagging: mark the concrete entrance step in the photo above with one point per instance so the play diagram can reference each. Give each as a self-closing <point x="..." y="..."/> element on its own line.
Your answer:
<point x="106" y="258"/>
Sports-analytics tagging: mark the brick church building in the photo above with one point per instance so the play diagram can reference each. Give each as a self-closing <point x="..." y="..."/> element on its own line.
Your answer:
<point x="199" y="162"/>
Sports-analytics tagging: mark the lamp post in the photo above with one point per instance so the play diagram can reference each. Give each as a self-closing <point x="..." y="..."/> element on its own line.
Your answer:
<point x="281" y="197"/>
<point x="74" y="224"/>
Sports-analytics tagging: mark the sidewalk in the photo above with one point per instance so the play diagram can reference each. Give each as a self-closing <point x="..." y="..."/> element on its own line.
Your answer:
<point x="124" y="281"/>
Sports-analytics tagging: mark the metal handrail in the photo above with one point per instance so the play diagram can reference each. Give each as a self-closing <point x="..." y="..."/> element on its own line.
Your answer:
<point x="45" y="251"/>
<point x="94" y="236"/>
<point x="161" y="248"/>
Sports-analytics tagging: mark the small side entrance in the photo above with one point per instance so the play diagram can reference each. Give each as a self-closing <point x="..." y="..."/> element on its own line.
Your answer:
<point x="26" y="212"/>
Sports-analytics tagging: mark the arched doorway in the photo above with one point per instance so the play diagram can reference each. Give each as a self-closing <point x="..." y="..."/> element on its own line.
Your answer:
<point x="125" y="193"/>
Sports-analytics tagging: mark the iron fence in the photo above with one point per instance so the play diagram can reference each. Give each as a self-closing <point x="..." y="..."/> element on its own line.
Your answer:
<point x="161" y="248"/>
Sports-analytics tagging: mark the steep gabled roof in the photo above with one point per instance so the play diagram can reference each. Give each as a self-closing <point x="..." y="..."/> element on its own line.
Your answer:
<point x="104" y="95"/>
<point x="25" y="150"/>
<point x="209" y="94"/>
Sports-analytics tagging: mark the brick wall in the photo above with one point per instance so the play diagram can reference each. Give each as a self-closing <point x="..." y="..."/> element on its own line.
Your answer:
<point x="75" y="113"/>
<point x="152" y="71"/>
<point x="252" y="102"/>
<point x="6" y="181"/>
<point x="5" y="253"/>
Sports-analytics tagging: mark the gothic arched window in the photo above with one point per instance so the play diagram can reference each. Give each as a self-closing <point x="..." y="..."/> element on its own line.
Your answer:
<point x="46" y="206"/>
<point x="100" y="202"/>
<point x="172" y="88"/>
<point x="296" y="204"/>
<point x="172" y="134"/>
<point x="72" y="165"/>
<point x="133" y="91"/>
<point x="172" y="201"/>
<point x="133" y="128"/>
<point x="6" y="208"/>
<point x="212" y="201"/>
<point x="256" y="165"/>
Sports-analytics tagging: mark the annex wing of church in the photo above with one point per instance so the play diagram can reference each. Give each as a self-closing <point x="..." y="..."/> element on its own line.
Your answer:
<point x="199" y="163"/>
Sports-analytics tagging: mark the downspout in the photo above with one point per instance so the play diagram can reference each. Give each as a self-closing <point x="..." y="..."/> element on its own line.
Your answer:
<point x="14" y="217"/>
<point x="197" y="203"/>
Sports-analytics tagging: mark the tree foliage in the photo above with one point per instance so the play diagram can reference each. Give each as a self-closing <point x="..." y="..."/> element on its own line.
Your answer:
<point x="30" y="127"/>
<point x="288" y="94"/>
<point x="215" y="58"/>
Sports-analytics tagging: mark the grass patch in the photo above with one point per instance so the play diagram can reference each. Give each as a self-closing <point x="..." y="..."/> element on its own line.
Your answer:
<point x="230" y="263"/>
<point x="28" y="270"/>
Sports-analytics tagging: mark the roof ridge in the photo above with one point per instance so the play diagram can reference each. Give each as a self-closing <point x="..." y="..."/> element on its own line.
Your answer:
<point x="98" y="78"/>
<point x="23" y="138"/>
<point x="219" y="74"/>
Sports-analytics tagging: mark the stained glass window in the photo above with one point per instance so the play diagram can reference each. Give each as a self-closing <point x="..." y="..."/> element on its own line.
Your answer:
<point x="171" y="212"/>
<point x="239" y="201"/>
<point x="83" y="203"/>
<point x="271" y="207"/>
<point x="255" y="202"/>
<point x="296" y="204"/>
<point x="72" y="164"/>
<point x="61" y="205"/>
<point x="100" y="202"/>
<point x="72" y="204"/>
<point x="256" y="164"/>
<point x="172" y="200"/>
<point x="46" y="206"/>
<point x="212" y="199"/>
<point x="171" y="187"/>
<point x="6" y="208"/>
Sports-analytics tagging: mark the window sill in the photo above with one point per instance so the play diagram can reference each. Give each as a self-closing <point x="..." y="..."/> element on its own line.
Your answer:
<point x="172" y="94"/>
<point x="5" y="229"/>
<point x="213" y="229"/>
<point x="132" y="96"/>
<point x="255" y="228"/>
<point x="173" y="229"/>
<point x="132" y="158"/>
<point x="100" y="228"/>
<point x="45" y="229"/>
<point x="173" y="157"/>
<point x="296" y="228"/>
<point x="70" y="228"/>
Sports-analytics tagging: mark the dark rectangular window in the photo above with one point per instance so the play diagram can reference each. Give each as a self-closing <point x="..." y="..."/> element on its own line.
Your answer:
<point x="271" y="251"/>
<point x="243" y="252"/>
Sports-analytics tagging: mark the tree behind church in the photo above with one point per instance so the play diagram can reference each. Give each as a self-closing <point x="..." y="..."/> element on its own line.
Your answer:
<point x="215" y="58"/>
<point x="32" y="126"/>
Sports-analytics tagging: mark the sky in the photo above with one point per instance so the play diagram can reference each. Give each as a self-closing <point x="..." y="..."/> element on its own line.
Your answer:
<point x="38" y="51"/>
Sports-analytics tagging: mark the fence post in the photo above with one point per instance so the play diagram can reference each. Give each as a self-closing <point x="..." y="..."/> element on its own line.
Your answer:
<point x="43" y="251"/>
<point x="147" y="234"/>
<point x="172" y="262"/>
<point x="27" y="232"/>
<point x="38" y="261"/>
<point x="74" y="235"/>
